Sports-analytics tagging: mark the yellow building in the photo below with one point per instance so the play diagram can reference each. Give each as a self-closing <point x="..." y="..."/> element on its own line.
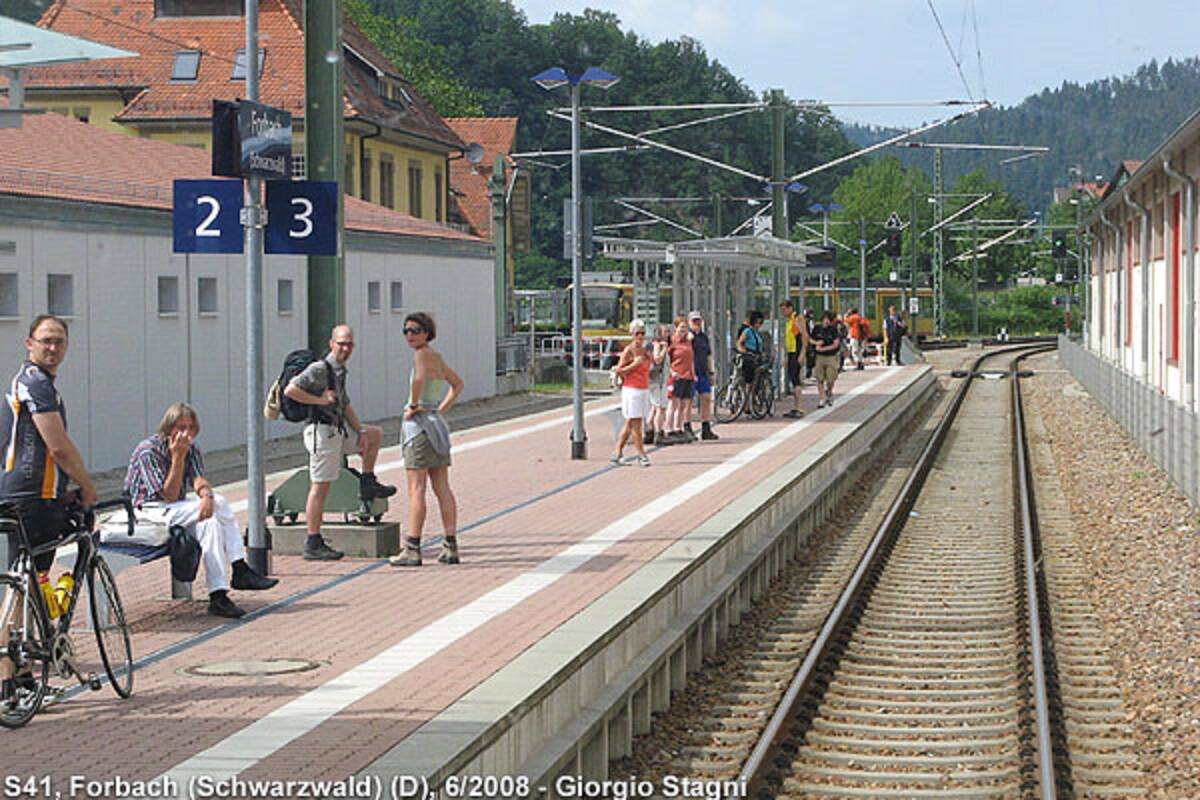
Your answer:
<point x="191" y="52"/>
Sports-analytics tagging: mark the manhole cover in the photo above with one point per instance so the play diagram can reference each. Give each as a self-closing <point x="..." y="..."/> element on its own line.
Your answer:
<point x="270" y="666"/>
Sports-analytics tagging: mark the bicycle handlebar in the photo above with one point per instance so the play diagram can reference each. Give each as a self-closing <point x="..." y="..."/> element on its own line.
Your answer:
<point x="124" y="501"/>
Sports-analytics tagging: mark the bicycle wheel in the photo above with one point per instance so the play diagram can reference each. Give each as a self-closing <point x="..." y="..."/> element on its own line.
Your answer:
<point x="29" y="648"/>
<point x="730" y="401"/>
<point x="760" y="400"/>
<point x="112" y="634"/>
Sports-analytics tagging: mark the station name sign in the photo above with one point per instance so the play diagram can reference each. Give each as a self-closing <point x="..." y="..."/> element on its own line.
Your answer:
<point x="250" y="138"/>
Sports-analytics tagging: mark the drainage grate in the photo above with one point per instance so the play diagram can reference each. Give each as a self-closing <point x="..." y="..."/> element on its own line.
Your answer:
<point x="254" y="668"/>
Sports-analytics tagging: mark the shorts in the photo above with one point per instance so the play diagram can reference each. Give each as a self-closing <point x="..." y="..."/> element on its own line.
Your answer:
<point x="684" y="388"/>
<point x="826" y="370"/>
<point x="635" y="403"/>
<point x="793" y="368"/>
<point x="419" y="453"/>
<point x="326" y="446"/>
<point x="44" y="522"/>
<point x="703" y="385"/>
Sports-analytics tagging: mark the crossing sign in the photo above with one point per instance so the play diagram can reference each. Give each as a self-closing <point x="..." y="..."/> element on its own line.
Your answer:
<point x="893" y="222"/>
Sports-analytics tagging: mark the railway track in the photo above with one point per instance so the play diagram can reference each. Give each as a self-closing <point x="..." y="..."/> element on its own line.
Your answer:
<point x="909" y="662"/>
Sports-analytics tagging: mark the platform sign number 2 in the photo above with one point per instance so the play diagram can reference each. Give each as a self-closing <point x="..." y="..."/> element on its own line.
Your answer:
<point x="207" y="216"/>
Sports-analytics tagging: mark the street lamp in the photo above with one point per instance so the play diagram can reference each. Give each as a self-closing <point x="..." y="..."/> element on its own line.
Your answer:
<point x="549" y="80"/>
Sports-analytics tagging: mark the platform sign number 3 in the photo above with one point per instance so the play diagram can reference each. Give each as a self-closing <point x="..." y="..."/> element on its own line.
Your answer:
<point x="302" y="217"/>
<point x="207" y="216"/>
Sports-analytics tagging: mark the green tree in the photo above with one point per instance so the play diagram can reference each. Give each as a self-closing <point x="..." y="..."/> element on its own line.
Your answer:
<point x="877" y="189"/>
<point x="424" y="66"/>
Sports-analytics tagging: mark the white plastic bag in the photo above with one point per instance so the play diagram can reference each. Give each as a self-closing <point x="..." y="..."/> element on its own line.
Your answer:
<point x="150" y="528"/>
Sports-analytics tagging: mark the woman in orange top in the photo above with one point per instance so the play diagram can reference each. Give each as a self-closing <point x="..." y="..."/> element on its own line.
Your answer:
<point x="634" y="370"/>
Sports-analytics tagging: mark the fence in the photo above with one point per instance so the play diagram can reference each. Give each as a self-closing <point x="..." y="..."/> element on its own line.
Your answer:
<point x="1162" y="428"/>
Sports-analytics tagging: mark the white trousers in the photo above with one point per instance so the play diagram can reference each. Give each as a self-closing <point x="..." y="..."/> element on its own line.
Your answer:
<point x="219" y="536"/>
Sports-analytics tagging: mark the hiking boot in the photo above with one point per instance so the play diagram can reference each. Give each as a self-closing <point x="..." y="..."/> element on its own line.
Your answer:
<point x="795" y="413"/>
<point x="410" y="556"/>
<point x="706" y="433"/>
<point x="677" y="437"/>
<point x="648" y="438"/>
<point x="219" y="605"/>
<point x="449" y="554"/>
<point x="369" y="488"/>
<point x="246" y="578"/>
<point x="659" y="439"/>
<point x="691" y="437"/>
<point x="321" y="552"/>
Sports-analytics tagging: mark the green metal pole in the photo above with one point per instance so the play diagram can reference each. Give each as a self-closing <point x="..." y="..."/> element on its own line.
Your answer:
<point x="779" y="220"/>
<point x="324" y="128"/>
<point x="913" y="261"/>
<point x="496" y="185"/>
<point x="974" y="278"/>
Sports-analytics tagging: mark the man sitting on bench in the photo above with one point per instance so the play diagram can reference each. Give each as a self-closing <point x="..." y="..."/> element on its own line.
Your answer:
<point x="162" y="469"/>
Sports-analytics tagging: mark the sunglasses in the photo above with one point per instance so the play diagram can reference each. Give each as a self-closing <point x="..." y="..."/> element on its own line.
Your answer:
<point x="413" y="331"/>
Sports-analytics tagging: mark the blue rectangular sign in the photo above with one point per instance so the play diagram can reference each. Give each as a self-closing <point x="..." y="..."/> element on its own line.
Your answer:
<point x="302" y="217"/>
<point x="207" y="216"/>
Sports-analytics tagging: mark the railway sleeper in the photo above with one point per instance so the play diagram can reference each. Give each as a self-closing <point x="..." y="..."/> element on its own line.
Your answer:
<point x="950" y="720"/>
<point x="800" y="789"/>
<point x="910" y="744"/>
<point x="956" y="670"/>
<point x="925" y="683"/>
<point x="989" y="702"/>
<point x="1003" y="756"/>
<point x="929" y="732"/>
<point x="974" y="779"/>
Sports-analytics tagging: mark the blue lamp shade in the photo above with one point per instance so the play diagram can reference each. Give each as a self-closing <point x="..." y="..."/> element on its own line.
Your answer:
<point x="796" y="187"/>
<point x="815" y="208"/>
<point x="595" y="76"/>
<point x="552" y="78"/>
<point x="835" y="206"/>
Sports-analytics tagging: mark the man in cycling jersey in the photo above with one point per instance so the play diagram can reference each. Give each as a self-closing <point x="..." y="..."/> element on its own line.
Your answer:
<point x="39" y="457"/>
<point x="750" y="344"/>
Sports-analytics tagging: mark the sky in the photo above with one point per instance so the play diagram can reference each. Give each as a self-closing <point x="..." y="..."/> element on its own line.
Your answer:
<point x="892" y="50"/>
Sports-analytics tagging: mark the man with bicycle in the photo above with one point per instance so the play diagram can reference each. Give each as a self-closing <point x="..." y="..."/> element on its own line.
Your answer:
<point x="39" y="458"/>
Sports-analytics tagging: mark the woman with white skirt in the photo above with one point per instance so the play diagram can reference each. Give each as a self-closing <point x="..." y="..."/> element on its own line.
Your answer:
<point x="634" y="370"/>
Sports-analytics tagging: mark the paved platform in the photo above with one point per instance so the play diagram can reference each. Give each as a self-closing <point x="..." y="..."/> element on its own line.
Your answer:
<point x="573" y="572"/>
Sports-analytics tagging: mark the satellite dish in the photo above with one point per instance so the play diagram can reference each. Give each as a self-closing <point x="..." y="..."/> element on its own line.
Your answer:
<point x="475" y="152"/>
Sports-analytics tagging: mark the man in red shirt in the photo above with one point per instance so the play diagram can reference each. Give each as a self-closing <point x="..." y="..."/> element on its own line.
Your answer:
<point x="860" y="329"/>
<point x="683" y="373"/>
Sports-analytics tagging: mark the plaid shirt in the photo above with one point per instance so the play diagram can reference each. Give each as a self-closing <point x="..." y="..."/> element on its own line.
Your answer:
<point x="148" y="468"/>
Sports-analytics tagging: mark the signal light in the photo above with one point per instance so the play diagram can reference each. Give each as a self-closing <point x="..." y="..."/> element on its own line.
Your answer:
<point x="1059" y="247"/>
<point x="894" y="244"/>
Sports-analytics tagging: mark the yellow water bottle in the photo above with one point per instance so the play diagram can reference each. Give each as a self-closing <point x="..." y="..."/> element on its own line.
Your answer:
<point x="48" y="595"/>
<point x="62" y="592"/>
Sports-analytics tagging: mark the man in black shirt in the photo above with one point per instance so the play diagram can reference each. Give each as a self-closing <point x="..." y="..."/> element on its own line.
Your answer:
<point x="827" y="340"/>
<point x="702" y="350"/>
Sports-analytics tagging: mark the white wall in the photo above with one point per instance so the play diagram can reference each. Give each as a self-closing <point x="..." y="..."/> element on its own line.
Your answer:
<point x="127" y="361"/>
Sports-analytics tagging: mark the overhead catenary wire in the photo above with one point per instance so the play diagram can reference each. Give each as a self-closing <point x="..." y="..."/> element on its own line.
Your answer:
<point x="950" y="49"/>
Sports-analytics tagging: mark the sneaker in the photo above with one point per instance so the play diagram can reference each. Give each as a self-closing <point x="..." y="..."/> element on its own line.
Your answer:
<point x="321" y="552"/>
<point x="829" y="400"/>
<point x="707" y="435"/>
<point x="660" y="440"/>
<point x="248" y="579"/>
<point x="449" y="554"/>
<point x="409" y="558"/>
<point x="860" y="366"/>
<point x="617" y="461"/>
<point x="677" y="437"/>
<point x="691" y="437"/>
<point x="369" y="488"/>
<point x="648" y="438"/>
<point x="219" y="605"/>
<point x="643" y="461"/>
<point x="795" y="413"/>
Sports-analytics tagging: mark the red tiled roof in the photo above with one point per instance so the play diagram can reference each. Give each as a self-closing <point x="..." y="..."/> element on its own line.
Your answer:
<point x="497" y="136"/>
<point x="131" y="24"/>
<point x="56" y="157"/>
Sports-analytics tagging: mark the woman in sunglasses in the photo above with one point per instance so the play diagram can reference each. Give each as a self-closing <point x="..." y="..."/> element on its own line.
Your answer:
<point x="426" y="441"/>
<point x="634" y="370"/>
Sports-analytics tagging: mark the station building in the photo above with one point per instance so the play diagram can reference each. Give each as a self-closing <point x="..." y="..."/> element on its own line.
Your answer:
<point x="85" y="232"/>
<point x="1140" y="339"/>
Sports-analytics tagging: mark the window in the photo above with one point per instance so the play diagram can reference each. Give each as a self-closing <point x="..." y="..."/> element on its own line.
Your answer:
<point x="8" y="295"/>
<point x="239" y="64"/>
<point x="387" y="182"/>
<point x="299" y="167"/>
<point x="168" y="295"/>
<point x="187" y="65"/>
<point x="414" y="188"/>
<point x="365" y="174"/>
<point x="206" y="296"/>
<point x="349" y="172"/>
<point x="397" y="292"/>
<point x="374" y="297"/>
<point x="60" y="295"/>
<point x="283" y="298"/>
<point x="197" y="8"/>
<point x="438" y="212"/>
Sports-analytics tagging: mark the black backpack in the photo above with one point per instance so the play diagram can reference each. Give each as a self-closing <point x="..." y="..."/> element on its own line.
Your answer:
<point x="293" y="364"/>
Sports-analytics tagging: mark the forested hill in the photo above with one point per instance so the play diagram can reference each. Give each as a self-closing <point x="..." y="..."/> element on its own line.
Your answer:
<point x="1092" y="126"/>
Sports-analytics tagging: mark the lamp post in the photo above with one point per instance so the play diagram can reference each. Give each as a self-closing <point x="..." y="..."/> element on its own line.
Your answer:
<point x="552" y="79"/>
